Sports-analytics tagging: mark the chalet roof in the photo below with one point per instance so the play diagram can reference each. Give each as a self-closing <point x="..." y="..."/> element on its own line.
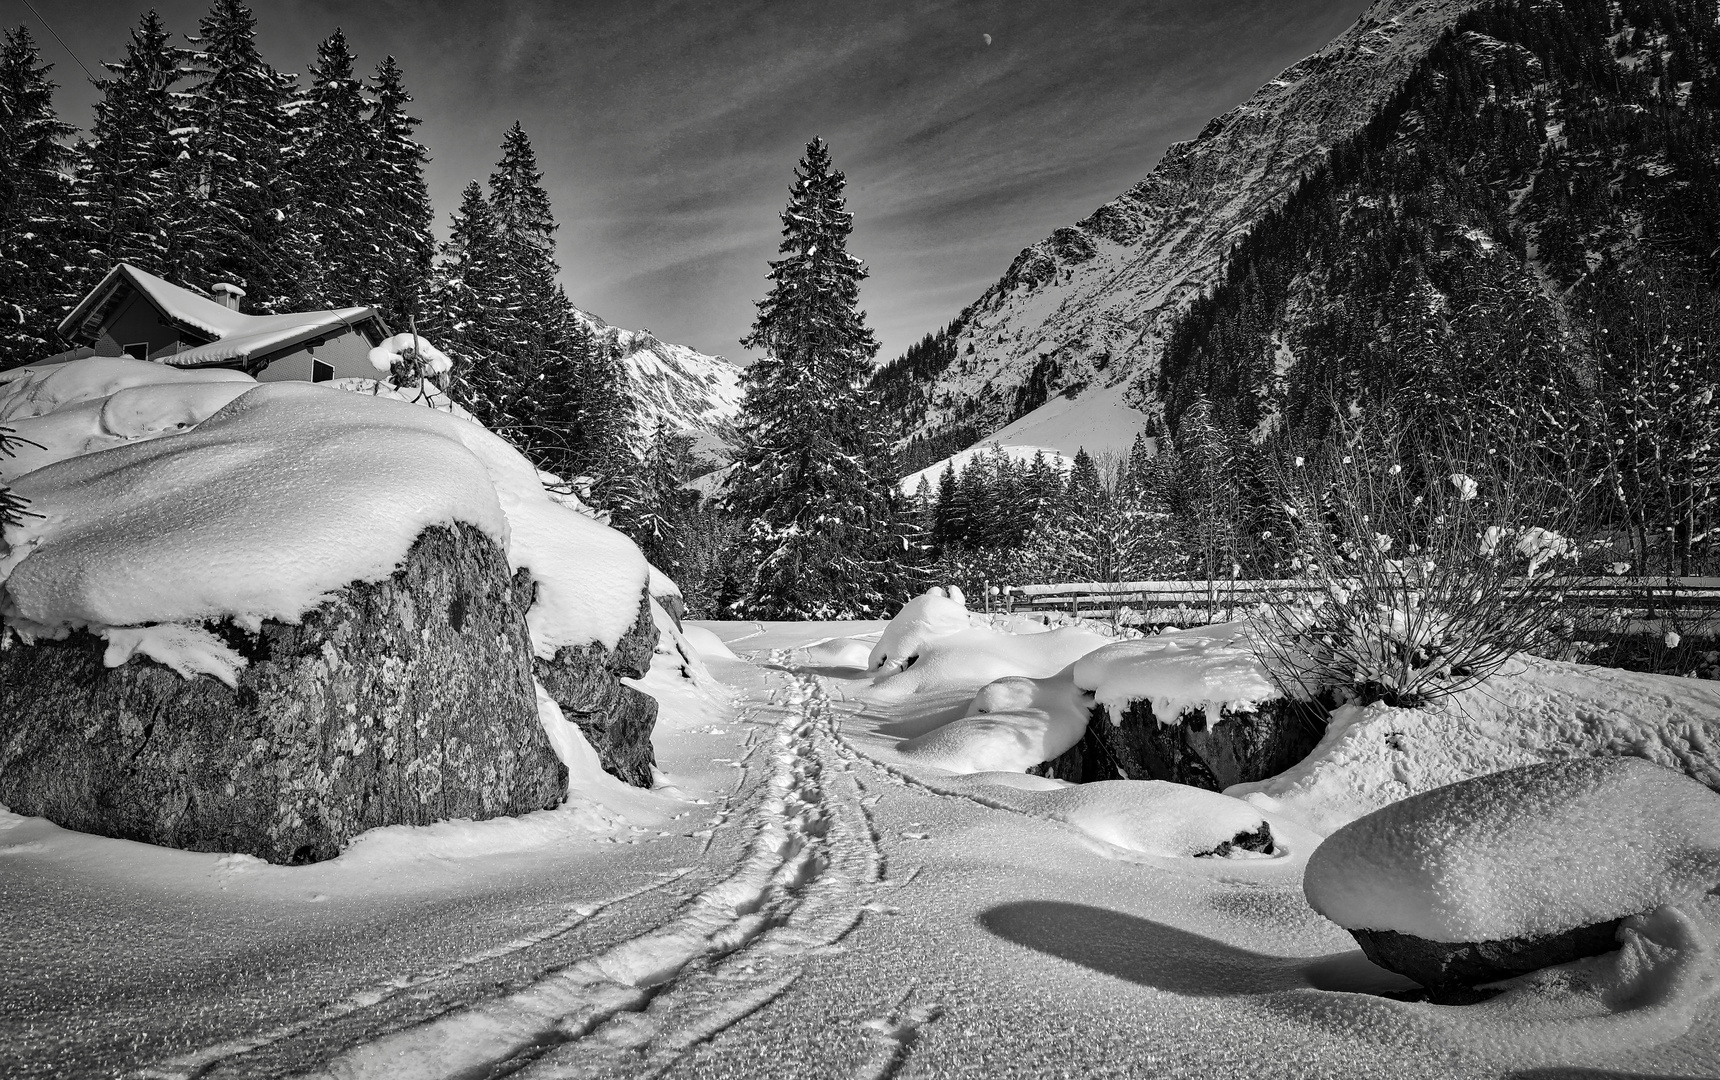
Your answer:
<point x="236" y="336"/>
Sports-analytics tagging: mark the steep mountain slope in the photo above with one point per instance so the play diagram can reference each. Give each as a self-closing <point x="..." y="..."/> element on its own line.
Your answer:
<point x="1533" y="220"/>
<point x="1091" y="304"/>
<point x="681" y="387"/>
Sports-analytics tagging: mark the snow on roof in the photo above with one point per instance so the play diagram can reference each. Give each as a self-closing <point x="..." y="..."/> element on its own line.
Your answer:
<point x="265" y="333"/>
<point x="238" y="336"/>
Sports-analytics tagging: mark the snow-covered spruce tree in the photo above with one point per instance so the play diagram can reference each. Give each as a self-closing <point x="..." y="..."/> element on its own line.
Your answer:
<point x="129" y="190"/>
<point x="35" y="196"/>
<point x="240" y="226"/>
<point x="333" y="139"/>
<point x="465" y="295"/>
<point x="526" y="364"/>
<point x="396" y="204"/>
<point x="813" y="478"/>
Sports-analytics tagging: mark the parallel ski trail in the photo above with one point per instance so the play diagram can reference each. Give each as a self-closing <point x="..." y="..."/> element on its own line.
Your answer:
<point x="805" y="881"/>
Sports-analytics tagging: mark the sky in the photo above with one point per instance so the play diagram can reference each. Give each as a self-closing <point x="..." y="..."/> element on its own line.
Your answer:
<point x="668" y="130"/>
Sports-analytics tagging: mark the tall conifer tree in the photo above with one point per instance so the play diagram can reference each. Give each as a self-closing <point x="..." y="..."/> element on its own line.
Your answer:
<point x="813" y="474"/>
<point x="130" y="195"/>
<point x="241" y="228"/>
<point x="332" y="188"/>
<point x="35" y="194"/>
<point x="396" y="203"/>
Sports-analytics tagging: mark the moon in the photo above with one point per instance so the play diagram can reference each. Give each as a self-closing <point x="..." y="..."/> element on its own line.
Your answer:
<point x="987" y="38"/>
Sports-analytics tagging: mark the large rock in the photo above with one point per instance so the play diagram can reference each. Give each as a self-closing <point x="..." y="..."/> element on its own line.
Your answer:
<point x="1451" y="971"/>
<point x="616" y="719"/>
<point x="404" y="701"/>
<point x="1240" y="747"/>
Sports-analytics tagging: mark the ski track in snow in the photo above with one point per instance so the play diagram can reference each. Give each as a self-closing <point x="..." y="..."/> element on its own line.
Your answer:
<point x="810" y="873"/>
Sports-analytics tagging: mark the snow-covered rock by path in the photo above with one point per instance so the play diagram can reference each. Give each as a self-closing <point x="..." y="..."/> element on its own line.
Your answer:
<point x="1011" y="725"/>
<point x="935" y="613"/>
<point x="1154" y="817"/>
<point x="1530" y="851"/>
<point x="1213" y="669"/>
<point x="1534" y="710"/>
<point x="285" y="494"/>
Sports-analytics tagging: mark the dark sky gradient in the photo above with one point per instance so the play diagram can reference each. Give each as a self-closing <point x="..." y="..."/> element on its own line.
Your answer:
<point x="668" y="129"/>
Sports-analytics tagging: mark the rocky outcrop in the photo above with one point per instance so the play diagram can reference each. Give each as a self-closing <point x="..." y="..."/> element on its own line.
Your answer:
<point x="403" y="701"/>
<point x="1451" y="971"/>
<point x="1239" y="748"/>
<point x="616" y="719"/>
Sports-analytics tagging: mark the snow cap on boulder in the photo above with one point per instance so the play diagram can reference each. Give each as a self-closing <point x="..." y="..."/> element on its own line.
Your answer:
<point x="1213" y="669"/>
<point x="931" y="615"/>
<point x="1535" y="850"/>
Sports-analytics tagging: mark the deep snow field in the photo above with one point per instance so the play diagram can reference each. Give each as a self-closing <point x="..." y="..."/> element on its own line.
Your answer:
<point x="845" y="868"/>
<point x="806" y="894"/>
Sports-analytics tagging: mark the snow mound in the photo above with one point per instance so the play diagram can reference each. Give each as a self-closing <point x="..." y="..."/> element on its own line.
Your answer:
<point x="131" y="414"/>
<point x="1213" y="668"/>
<point x="979" y="655"/>
<point x="288" y="493"/>
<point x="1537" y="710"/>
<point x="39" y="389"/>
<point x="1012" y="725"/>
<point x="1534" y="850"/>
<point x="1152" y="817"/>
<point x="931" y="615"/>
<point x="846" y="652"/>
<point x="706" y="643"/>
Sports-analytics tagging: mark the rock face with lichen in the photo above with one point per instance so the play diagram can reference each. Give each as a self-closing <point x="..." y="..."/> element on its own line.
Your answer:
<point x="1239" y="748"/>
<point x="403" y="701"/>
<point x="615" y="718"/>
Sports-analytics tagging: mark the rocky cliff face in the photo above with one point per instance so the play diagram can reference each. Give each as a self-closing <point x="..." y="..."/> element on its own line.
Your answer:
<point x="1093" y="302"/>
<point x="404" y="701"/>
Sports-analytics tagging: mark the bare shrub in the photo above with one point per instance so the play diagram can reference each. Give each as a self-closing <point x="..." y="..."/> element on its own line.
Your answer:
<point x="1425" y="562"/>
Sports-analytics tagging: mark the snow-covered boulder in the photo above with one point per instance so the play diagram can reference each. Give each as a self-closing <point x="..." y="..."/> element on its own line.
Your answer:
<point x="585" y="681"/>
<point x="1501" y="874"/>
<point x="203" y="540"/>
<point x="1194" y="707"/>
<point x="402" y="701"/>
<point x="934" y="614"/>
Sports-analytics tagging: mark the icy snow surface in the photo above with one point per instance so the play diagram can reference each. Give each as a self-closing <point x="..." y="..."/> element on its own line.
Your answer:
<point x="793" y="901"/>
<point x="281" y="496"/>
<point x="1212" y="668"/>
<point x="1538" y="849"/>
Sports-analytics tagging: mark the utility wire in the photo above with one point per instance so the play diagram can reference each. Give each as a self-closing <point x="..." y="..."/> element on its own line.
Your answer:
<point x="60" y="39"/>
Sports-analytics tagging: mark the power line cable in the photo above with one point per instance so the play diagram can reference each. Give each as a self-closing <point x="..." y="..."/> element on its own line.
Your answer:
<point x="59" y="39"/>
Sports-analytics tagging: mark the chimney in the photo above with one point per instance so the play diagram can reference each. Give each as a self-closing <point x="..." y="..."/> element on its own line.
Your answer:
<point x="228" y="295"/>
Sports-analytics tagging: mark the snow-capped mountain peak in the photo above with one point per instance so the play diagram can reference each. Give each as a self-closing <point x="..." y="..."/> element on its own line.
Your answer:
<point x="687" y="389"/>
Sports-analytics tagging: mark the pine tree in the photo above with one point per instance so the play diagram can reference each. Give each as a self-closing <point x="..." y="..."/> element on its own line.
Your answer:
<point x="332" y="188"/>
<point x="35" y="194"/>
<point x="129" y="194"/>
<point x="396" y="203"/>
<point x="240" y="227"/>
<point x="813" y="473"/>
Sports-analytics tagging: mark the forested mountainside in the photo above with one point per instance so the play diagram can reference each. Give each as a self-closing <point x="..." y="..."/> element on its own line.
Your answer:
<point x="1532" y="221"/>
<point x="1091" y="304"/>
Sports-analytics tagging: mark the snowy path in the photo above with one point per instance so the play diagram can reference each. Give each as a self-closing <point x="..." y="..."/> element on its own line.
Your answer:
<point x="797" y="907"/>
